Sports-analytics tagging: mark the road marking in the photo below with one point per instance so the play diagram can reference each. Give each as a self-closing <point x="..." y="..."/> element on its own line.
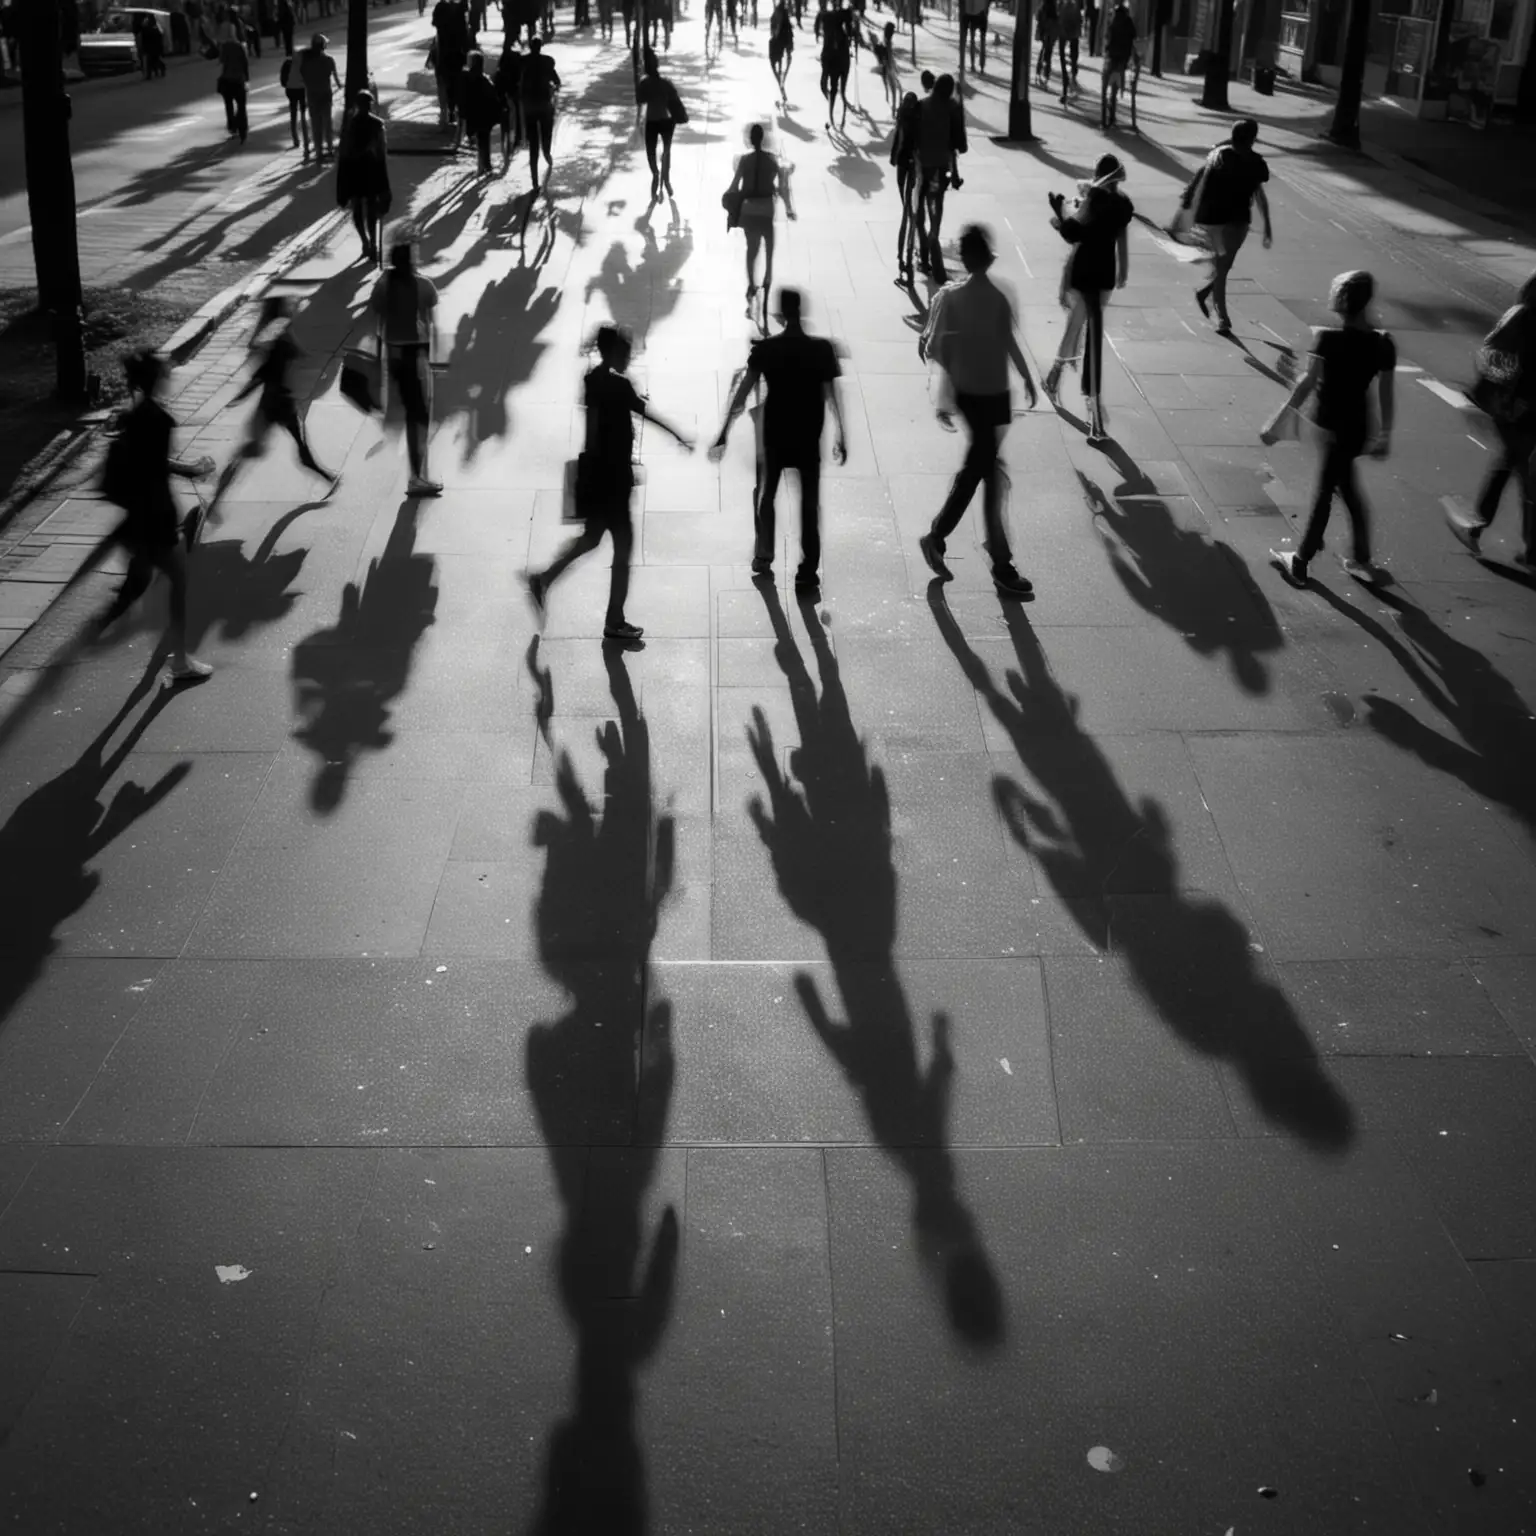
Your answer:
<point x="1452" y="397"/>
<point x="1471" y="439"/>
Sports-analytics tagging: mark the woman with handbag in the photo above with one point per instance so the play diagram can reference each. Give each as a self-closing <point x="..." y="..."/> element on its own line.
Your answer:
<point x="605" y="477"/>
<point x="1506" y="390"/>
<point x="657" y="98"/>
<point x="748" y="201"/>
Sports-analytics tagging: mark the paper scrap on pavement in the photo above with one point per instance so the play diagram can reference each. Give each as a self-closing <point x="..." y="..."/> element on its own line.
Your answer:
<point x="229" y="1273"/>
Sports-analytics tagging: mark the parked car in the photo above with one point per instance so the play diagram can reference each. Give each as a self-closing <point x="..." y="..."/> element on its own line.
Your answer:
<point x="113" y="45"/>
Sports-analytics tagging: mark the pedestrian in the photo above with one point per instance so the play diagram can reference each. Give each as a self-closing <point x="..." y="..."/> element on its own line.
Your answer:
<point x="758" y="180"/>
<point x="362" y="173"/>
<point x="1506" y="390"/>
<point x="1346" y="360"/>
<point x="285" y="25"/>
<point x="884" y="50"/>
<point x="404" y="304"/>
<point x="1069" y="31"/>
<point x="940" y="143"/>
<point x="971" y="334"/>
<point x="450" y="24"/>
<point x="664" y="110"/>
<point x="480" y="109"/>
<point x="801" y="373"/>
<point x="836" y="58"/>
<point x="781" y="47"/>
<point x="317" y="70"/>
<point x="509" y="89"/>
<point x="659" y="15"/>
<point x="1045" y="35"/>
<point x="973" y="32"/>
<point x="605" y="478"/>
<point x="298" y="111"/>
<point x="539" y="82"/>
<point x="1221" y="199"/>
<point x="1096" y="228"/>
<point x="1119" y="48"/>
<point x="904" y="158"/>
<point x="1091" y="26"/>
<point x="234" y="73"/>
<point x="274" y="352"/>
<point x="138" y="477"/>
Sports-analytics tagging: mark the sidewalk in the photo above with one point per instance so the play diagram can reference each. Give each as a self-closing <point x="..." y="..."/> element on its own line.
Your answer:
<point x="901" y="1063"/>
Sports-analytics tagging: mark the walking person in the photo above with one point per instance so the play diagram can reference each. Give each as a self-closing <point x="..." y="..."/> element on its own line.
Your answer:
<point x="663" y="110"/>
<point x="1346" y="360"/>
<point x="605" y="479"/>
<point x="138" y="477"/>
<point x="480" y="110"/>
<point x="1506" y="390"/>
<point x="758" y="180"/>
<point x="285" y="25"/>
<point x="1097" y="229"/>
<point x="884" y="50"/>
<point x="362" y="173"/>
<point x="973" y="32"/>
<point x="904" y="158"/>
<point x="450" y="26"/>
<point x="404" y="306"/>
<point x="1119" y="49"/>
<point x="275" y="353"/>
<point x="781" y="47"/>
<point x="801" y="372"/>
<point x="234" y="74"/>
<point x="509" y="88"/>
<point x="1045" y="35"/>
<point x="940" y="143"/>
<point x="1069" y="31"/>
<point x="972" y="336"/>
<point x="1221" y="198"/>
<point x="539" y="81"/>
<point x="298" y="108"/>
<point x="317" y="69"/>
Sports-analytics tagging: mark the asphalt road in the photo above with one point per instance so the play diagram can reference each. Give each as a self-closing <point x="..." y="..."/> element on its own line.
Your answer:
<point x="131" y="134"/>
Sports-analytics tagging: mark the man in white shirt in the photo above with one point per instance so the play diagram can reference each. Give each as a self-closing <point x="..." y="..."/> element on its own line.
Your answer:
<point x="971" y="335"/>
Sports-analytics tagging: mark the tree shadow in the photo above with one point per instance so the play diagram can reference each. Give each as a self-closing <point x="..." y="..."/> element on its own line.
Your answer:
<point x="1115" y="866"/>
<point x="607" y="873"/>
<point x="829" y="835"/>
<point x="55" y="833"/>
<point x="1190" y="581"/>
<point x="346" y="677"/>
<point x="1498" y="736"/>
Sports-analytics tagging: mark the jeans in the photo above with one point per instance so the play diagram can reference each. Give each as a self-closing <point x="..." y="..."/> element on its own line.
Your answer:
<point x="298" y="118"/>
<point x="1337" y="473"/>
<point x="985" y="417"/>
<point x="233" y="92"/>
<point x="616" y="520"/>
<point x="1518" y="441"/>
<point x="807" y="466"/>
<point x="1226" y="240"/>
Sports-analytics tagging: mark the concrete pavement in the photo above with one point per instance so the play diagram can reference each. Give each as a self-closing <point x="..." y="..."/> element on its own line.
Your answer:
<point x="868" y="1065"/>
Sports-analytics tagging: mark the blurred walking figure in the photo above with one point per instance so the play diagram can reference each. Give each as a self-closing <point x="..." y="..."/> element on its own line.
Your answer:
<point x="1221" y="198"/>
<point x="781" y="47"/>
<point x="317" y="69"/>
<point x="404" y="304"/>
<point x="1097" y="228"/>
<point x="884" y="50"/>
<point x="298" y="110"/>
<point x="285" y="25"/>
<point x="539" y="81"/>
<point x="450" y="25"/>
<point x="138" y="478"/>
<point x="362" y="173"/>
<point x="1506" y="390"/>
<point x="664" y="110"/>
<point x="1069" y="31"/>
<point x="1346" y="360"/>
<point x="801" y="372"/>
<point x="971" y="335"/>
<point x="940" y="143"/>
<point x="1045" y="35"/>
<point x="904" y="158"/>
<point x="509" y="88"/>
<point x="605" y="478"/>
<point x="234" y="74"/>
<point x="973" y="32"/>
<point x="480" y="110"/>
<point x="275" y="352"/>
<point x="759" y="179"/>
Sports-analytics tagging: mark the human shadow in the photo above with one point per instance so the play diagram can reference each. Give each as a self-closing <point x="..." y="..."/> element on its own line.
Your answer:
<point x="1115" y="867"/>
<point x="608" y="861"/>
<point x="641" y="294"/>
<point x="828" y="832"/>
<point x="1497" y="734"/>
<point x="346" y="677"/>
<point x="54" y="834"/>
<point x="855" y="169"/>
<point x="1190" y="581"/>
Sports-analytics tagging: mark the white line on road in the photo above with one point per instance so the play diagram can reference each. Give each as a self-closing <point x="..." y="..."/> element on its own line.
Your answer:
<point x="1452" y="397"/>
<point x="1471" y="439"/>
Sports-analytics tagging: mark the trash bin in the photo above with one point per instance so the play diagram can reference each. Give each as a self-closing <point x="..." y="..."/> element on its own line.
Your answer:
<point x="1264" y="79"/>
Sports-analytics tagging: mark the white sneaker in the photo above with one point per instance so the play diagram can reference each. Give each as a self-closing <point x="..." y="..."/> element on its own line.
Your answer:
<point x="190" y="670"/>
<point x="1371" y="574"/>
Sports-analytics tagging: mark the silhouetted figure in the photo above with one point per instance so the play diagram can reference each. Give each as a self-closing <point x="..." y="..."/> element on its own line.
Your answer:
<point x="1220" y="199"/>
<point x="404" y="306"/>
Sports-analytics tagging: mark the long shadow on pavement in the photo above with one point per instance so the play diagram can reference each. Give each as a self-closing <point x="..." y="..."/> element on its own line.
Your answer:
<point x="1498" y="739"/>
<point x="1187" y="953"/>
<point x="1188" y="580"/>
<point x="57" y="831"/>
<point x="346" y="677"/>
<point x="830" y="841"/>
<point x="607" y="873"/>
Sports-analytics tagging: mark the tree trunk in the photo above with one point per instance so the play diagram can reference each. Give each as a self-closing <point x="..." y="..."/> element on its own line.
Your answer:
<point x="1346" y="112"/>
<point x="357" y="50"/>
<point x="51" y="185"/>
<point x="1219" y="68"/>
<point x="1019" y="129"/>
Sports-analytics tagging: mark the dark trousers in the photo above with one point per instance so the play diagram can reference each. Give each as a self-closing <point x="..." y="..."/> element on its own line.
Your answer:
<point x="1093" y="341"/>
<point x="483" y="145"/>
<point x="1518" y="441"/>
<point x="233" y="92"/>
<point x="1337" y="473"/>
<point x="985" y="416"/>
<point x="143" y="562"/>
<point x="807" y="466"/>
<point x="1068" y="46"/>
<point x="298" y="118"/>
<point x="617" y="521"/>
<point x="659" y="134"/>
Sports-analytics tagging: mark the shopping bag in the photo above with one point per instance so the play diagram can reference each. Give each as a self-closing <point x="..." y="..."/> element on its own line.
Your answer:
<point x="360" y="380"/>
<point x="1287" y="425"/>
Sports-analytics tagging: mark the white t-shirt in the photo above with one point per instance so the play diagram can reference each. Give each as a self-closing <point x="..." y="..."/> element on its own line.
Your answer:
<point x="968" y="334"/>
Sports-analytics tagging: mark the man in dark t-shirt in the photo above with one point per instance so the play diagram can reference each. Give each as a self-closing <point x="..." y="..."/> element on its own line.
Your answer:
<point x="1231" y="181"/>
<point x="801" y="372"/>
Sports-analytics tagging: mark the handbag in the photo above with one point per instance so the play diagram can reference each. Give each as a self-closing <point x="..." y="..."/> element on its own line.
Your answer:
<point x="577" y="492"/>
<point x="360" y="380"/>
